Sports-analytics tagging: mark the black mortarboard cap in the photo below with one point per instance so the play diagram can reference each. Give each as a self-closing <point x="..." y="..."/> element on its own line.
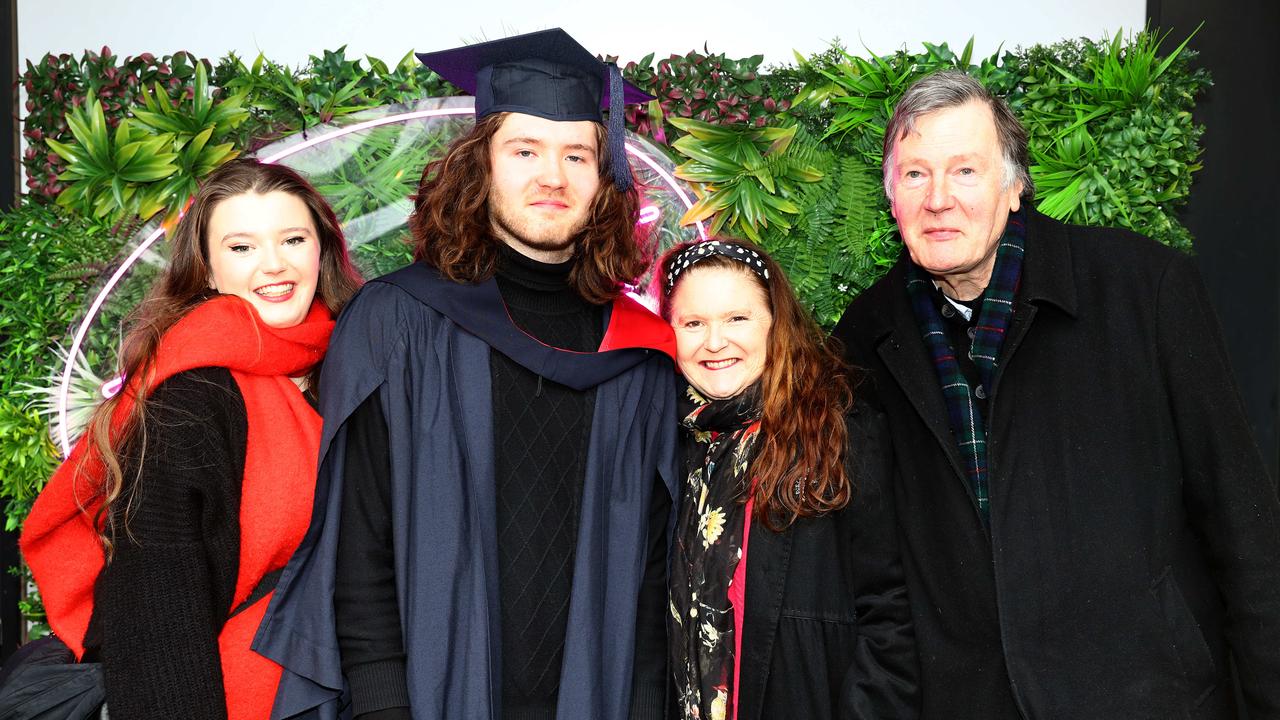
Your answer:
<point x="547" y="74"/>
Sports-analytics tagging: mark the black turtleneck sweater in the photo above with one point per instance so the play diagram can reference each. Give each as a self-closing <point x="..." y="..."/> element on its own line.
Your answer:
<point x="541" y="432"/>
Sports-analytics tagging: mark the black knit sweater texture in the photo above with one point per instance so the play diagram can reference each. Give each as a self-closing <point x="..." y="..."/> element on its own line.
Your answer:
<point x="162" y="600"/>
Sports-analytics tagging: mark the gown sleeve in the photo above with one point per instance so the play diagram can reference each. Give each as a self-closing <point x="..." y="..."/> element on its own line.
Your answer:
<point x="370" y="639"/>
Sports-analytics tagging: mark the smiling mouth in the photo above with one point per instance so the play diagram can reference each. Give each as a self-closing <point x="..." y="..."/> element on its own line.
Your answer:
<point x="718" y="364"/>
<point x="277" y="292"/>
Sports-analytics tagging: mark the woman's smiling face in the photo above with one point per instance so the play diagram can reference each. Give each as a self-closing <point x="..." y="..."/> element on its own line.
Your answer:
<point x="265" y="249"/>
<point x="721" y="319"/>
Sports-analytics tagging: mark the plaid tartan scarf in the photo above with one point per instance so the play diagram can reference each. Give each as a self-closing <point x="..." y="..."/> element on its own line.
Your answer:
<point x="967" y="424"/>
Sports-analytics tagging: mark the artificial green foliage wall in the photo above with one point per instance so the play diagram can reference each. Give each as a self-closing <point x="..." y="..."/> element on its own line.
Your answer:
<point x="61" y="82"/>
<point x="699" y="86"/>
<point x="1111" y="137"/>
<point x="788" y="155"/>
<point x="49" y="260"/>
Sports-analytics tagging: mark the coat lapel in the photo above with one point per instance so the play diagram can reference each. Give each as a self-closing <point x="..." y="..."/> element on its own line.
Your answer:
<point x="1047" y="278"/>
<point x="902" y="351"/>
<point x="768" y="562"/>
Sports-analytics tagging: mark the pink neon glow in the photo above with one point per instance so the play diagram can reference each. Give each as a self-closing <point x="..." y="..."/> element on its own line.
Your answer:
<point x="649" y="214"/>
<point x="671" y="183"/>
<point x="111" y="387"/>
<point x="65" y="388"/>
<point x="83" y="330"/>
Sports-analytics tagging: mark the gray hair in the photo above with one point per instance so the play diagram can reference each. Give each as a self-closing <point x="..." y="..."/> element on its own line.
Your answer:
<point x="948" y="89"/>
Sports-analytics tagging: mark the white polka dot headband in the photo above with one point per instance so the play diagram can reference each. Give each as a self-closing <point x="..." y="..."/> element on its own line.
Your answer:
<point x="693" y="254"/>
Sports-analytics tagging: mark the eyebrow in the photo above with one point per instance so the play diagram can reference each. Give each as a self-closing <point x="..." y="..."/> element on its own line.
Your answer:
<point x="906" y="160"/>
<point x="535" y="141"/>
<point x="251" y="236"/>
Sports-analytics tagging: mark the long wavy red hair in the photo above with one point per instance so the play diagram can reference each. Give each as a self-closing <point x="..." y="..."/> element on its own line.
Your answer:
<point x="799" y="470"/>
<point x="452" y="232"/>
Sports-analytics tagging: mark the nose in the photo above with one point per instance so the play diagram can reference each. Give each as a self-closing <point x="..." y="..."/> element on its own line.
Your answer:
<point x="273" y="260"/>
<point x="939" y="196"/>
<point x="551" y="174"/>
<point x="716" y="340"/>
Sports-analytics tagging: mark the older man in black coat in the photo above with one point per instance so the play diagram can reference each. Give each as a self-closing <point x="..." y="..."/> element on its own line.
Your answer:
<point x="1087" y="527"/>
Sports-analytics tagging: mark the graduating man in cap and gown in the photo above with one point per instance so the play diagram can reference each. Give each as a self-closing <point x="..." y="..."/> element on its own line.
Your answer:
<point x="496" y="477"/>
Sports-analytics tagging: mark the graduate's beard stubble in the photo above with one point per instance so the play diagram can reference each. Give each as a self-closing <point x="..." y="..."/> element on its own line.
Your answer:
<point x="547" y="240"/>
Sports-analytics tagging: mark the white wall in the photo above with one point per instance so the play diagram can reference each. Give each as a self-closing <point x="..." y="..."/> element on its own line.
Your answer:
<point x="289" y="31"/>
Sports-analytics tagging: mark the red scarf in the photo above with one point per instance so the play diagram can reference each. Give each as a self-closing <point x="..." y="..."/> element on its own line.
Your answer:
<point x="60" y="541"/>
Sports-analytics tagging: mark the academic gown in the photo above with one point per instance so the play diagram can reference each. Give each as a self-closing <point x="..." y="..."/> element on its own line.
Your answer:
<point x="423" y="343"/>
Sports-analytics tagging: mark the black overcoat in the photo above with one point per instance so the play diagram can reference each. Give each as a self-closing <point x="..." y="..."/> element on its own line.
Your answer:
<point x="827" y="627"/>
<point x="1134" y="540"/>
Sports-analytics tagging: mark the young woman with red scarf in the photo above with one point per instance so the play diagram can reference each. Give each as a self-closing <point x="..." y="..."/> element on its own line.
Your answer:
<point x="156" y="544"/>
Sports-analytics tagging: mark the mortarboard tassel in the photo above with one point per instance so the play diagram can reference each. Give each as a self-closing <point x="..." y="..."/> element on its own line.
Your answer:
<point x="617" y="131"/>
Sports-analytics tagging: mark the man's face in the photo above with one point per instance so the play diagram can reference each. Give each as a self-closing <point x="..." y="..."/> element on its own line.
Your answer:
<point x="948" y="195"/>
<point x="544" y="177"/>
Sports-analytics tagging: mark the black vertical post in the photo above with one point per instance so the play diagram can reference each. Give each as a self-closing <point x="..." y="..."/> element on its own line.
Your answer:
<point x="9" y="120"/>
<point x="1233" y="202"/>
<point x="11" y="629"/>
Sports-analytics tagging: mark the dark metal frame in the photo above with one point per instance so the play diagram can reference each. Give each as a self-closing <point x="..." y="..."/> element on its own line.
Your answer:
<point x="11" y="629"/>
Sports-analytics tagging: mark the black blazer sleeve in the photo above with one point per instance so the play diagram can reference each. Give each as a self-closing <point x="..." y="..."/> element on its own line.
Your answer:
<point x="883" y="682"/>
<point x="1230" y="499"/>
<point x="162" y="599"/>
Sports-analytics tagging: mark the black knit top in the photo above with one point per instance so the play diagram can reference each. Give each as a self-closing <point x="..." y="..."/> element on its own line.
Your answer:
<point x="162" y="600"/>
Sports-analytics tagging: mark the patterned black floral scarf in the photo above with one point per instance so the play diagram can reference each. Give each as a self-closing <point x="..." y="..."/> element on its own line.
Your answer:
<point x="718" y="443"/>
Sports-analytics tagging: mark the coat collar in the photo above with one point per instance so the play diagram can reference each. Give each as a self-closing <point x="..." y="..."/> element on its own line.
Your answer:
<point x="1048" y="278"/>
<point x="1047" y="272"/>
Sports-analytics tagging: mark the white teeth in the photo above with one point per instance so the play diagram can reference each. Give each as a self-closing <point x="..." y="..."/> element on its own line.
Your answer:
<point x="275" y="290"/>
<point x="718" y="364"/>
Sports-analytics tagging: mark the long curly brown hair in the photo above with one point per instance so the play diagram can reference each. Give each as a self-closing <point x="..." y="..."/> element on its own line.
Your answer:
<point x="452" y="232"/>
<point x="183" y="286"/>
<point x="806" y="391"/>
